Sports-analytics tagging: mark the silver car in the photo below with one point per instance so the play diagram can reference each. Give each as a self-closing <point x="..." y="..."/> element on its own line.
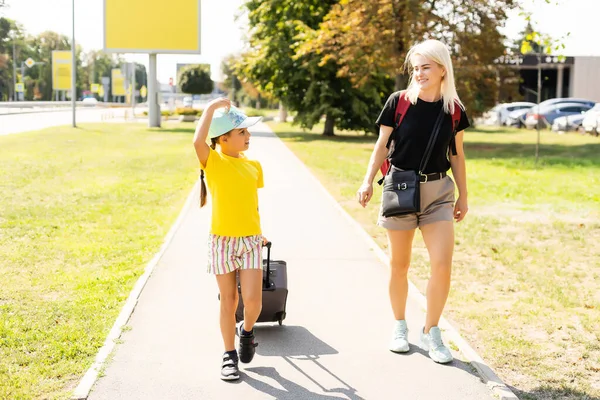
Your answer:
<point x="591" y="121"/>
<point x="568" y="123"/>
<point x="547" y="114"/>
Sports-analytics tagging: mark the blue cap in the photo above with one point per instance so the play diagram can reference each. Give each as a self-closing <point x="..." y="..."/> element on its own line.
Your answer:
<point x="223" y="121"/>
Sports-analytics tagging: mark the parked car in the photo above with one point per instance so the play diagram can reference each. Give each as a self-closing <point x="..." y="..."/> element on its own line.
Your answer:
<point x="591" y="121"/>
<point x="499" y="114"/>
<point x="568" y="123"/>
<point x="547" y="114"/>
<point x="188" y="101"/>
<point x="517" y="118"/>
<point x="550" y="102"/>
<point x="89" y="101"/>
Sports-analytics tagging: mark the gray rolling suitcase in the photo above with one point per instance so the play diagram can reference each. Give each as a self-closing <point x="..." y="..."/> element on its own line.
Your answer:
<point x="274" y="292"/>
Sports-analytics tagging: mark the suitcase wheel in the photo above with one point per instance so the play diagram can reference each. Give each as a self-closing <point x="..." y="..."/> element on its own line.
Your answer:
<point x="280" y="317"/>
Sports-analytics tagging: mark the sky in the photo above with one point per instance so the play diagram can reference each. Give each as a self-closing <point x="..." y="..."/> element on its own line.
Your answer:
<point x="222" y="35"/>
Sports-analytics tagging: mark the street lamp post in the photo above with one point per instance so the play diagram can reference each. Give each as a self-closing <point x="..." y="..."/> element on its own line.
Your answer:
<point x="539" y="100"/>
<point x="14" y="69"/>
<point x="74" y="71"/>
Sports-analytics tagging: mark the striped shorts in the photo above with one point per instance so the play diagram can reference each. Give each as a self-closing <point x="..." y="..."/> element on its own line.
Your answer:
<point x="227" y="254"/>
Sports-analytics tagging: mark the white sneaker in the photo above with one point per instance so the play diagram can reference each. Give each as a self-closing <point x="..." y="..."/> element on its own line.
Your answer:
<point x="432" y="342"/>
<point x="399" y="343"/>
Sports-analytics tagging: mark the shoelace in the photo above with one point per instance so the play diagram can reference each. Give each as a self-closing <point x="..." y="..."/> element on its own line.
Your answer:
<point x="400" y="333"/>
<point x="436" y="341"/>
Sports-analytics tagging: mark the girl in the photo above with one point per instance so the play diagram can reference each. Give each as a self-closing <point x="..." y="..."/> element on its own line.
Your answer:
<point x="430" y="90"/>
<point x="235" y="239"/>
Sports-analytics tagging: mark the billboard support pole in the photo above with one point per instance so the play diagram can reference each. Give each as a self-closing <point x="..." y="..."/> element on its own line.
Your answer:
<point x="153" y="108"/>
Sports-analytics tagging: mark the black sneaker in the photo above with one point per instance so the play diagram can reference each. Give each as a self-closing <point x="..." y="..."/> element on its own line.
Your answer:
<point x="229" y="368"/>
<point x="247" y="345"/>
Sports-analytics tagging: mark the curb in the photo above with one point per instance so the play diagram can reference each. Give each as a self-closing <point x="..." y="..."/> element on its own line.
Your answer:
<point x="498" y="388"/>
<point x="86" y="383"/>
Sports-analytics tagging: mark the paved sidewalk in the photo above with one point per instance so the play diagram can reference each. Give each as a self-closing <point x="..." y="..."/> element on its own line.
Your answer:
<point x="333" y="344"/>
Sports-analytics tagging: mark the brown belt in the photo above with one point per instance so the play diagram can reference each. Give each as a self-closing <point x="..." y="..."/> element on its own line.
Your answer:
<point x="432" y="177"/>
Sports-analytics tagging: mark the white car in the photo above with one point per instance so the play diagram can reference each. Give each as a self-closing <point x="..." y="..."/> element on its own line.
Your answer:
<point x="188" y="102"/>
<point x="591" y="121"/>
<point x="89" y="101"/>
<point x="568" y="123"/>
<point x="499" y="114"/>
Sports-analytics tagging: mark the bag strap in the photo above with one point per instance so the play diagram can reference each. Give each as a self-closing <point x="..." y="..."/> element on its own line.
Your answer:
<point x="432" y="138"/>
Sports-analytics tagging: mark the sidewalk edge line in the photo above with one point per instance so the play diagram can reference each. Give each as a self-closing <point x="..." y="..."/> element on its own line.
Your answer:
<point x="86" y="383"/>
<point x="487" y="374"/>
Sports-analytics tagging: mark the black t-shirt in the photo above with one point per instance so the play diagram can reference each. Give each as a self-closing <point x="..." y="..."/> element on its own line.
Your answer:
<point x="413" y="134"/>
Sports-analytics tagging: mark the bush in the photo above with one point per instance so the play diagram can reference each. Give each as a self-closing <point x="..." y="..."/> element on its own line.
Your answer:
<point x="253" y="112"/>
<point x="164" y="113"/>
<point x="188" y="111"/>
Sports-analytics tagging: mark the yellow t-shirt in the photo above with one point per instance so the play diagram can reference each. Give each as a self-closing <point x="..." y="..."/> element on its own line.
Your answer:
<point x="233" y="183"/>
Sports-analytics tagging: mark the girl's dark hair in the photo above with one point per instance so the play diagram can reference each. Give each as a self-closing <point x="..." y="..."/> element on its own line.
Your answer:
<point x="213" y="145"/>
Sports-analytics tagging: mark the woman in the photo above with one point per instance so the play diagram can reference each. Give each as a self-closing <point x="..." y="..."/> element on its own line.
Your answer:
<point x="430" y="90"/>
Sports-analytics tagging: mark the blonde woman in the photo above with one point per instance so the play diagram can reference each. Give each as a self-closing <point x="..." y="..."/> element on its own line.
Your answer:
<point x="431" y="90"/>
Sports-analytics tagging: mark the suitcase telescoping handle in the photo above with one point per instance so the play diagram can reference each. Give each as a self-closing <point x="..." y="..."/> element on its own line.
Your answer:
<point x="266" y="282"/>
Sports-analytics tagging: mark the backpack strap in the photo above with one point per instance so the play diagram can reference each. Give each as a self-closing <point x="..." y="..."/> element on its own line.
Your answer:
<point x="455" y="121"/>
<point x="401" y="108"/>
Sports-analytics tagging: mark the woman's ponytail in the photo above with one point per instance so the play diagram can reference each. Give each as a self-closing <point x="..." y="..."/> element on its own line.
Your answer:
<point x="213" y="145"/>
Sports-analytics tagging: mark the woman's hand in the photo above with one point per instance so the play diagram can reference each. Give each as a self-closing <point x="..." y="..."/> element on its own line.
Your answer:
<point x="460" y="209"/>
<point x="365" y="192"/>
<point x="219" y="103"/>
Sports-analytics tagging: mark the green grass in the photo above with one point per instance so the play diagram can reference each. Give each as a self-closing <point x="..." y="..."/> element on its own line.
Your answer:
<point x="526" y="274"/>
<point x="82" y="212"/>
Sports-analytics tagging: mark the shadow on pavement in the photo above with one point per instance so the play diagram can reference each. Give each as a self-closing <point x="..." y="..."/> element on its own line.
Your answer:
<point x="463" y="366"/>
<point x="289" y="341"/>
<point x="295" y="344"/>
<point x="291" y="390"/>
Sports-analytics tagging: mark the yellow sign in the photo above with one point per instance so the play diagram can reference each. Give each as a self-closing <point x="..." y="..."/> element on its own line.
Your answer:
<point x="152" y="26"/>
<point x="95" y="87"/>
<point x="61" y="70"/>
<point x="118" y="82"/>
<point x="29" y="62"/>
<point x="101" y="91"/>
<point x="143" y="91"/>
<point x="19" y="87"/>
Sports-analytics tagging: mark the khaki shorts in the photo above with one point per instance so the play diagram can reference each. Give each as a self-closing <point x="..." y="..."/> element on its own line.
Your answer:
<point x="437" y="204"/>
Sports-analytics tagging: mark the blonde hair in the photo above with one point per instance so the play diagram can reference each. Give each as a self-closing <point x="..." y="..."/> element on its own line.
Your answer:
<point x="438" y="52"/>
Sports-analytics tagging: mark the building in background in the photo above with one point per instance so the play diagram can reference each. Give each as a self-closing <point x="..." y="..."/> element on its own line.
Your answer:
<point x="567" y="77"/>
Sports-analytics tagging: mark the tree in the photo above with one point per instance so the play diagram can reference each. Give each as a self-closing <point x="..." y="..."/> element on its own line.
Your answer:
<point x="275" y="64"/>
<point x="241" y="89"/>
<point x="195" y="80"/>
<point x="366" y="37"/>
<point x="10" y="33"/>
<point x="232" y="82"/>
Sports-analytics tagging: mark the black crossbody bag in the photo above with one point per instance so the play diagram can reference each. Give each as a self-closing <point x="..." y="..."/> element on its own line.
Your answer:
<point x="401" y="188"/>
